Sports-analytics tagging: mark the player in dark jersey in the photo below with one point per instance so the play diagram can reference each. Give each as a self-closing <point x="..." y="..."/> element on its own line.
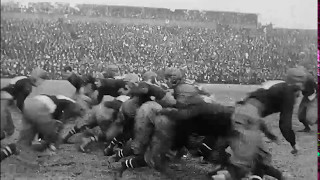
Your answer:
<point x="203" y="119"/>
<point x="109" y="83"/>
<point x="144" y="124"/>
<point x="20" y="87"/>
<point x="113" y="88"/>
<point x="139" y="110"/>
<point x="84" y="83"/>
<point x="272" y="97"/>
<point x="219" y="121"/>
<point x="279" y="98"/>
<point x="186" y="92"/>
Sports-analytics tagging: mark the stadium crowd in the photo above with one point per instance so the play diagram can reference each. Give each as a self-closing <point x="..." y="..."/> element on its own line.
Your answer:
<point x="222" y="55"/>
<point x="95" y="10"/>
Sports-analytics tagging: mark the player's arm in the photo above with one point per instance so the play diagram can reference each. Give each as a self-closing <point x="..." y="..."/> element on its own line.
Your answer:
<point x="285" y="122"/>
<point x="142" y="88"/>
<point x="115" y="104"/>
<point x="100" y="94"/>
<point x="122" y="86"/>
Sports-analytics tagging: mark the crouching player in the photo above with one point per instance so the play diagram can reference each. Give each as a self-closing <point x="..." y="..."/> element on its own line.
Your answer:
<point x="7" y="126"/>
<point x="147" y="125"/>
<point x="101" y="115"/>
<point x="271" y="98"/>
<point x="145" y="113"/>
<point x="45" y="114"/>
<point x="104" y="113"/>
<point x="307" y="113"/>
<point x="243" y="136"/>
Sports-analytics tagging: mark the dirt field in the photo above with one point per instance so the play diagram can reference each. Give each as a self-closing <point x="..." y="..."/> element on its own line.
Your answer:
<point x="71" y="164"/>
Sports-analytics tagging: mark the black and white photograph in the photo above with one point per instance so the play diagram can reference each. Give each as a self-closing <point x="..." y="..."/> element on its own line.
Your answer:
<point x="159" y="89"/>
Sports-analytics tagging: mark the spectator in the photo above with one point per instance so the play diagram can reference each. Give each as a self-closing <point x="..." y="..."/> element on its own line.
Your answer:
<point x="222" y="55"/>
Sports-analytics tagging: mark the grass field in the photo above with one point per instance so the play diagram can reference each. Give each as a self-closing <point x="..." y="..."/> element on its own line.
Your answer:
<point x="71" y="164"/>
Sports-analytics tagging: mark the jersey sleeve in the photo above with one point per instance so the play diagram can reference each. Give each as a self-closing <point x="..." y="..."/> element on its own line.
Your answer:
<point x="142" y="88"/>
<point x="120" y="83"/>
<point x="285" y="122"/>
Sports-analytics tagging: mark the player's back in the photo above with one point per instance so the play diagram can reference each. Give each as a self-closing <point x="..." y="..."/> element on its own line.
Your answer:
<point x="275" y="97"/>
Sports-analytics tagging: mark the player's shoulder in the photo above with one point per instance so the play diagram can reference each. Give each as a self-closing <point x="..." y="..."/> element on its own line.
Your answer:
<point x="144" y="84"/>
<point x="19" y="79"/>
<point x="271" y="84"/>
<point x="185" y="88"/>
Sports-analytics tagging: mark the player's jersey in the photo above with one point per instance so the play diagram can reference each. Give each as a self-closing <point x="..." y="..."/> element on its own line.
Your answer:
<point x="279" y="98"/>
<point x="110" y="87"/>
<point x="79" y="81"/>
<point x="147" y="91"/>
<point x="20" y="84"/>
<point x="276" y="98"/>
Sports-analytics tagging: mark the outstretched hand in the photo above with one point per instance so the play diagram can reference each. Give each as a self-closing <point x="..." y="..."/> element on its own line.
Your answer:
<point x="295" y="149"/>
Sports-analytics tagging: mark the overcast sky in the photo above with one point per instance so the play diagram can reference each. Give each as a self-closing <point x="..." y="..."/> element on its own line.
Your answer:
<point x="300" y="14"/>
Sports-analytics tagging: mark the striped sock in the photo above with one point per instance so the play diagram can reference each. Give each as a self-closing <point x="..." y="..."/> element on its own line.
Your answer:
<point x="135" y="162"/>
<point x="94" y="138"/>
<point x="114" y="141"/>
<point x="128" y="164"/>
<point x="109" y="149"/>
<point x="8" y="151"/>
<point x="119" y="155"/>
<point x="74" y="130"/>
<point x="71" y="132"/>
<point x="205" y="150"/>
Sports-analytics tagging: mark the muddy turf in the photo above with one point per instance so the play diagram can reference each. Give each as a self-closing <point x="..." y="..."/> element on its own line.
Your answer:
<point x="69" y="163"/>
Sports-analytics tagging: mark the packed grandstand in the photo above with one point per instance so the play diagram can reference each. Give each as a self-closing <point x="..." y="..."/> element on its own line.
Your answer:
<point x="233" y="48"/>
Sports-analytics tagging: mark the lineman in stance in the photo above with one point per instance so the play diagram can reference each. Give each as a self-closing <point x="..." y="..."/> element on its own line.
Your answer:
<point x="138" y="112"/>
<point x="7" y="126"/>
<point x="307" y="113"/>
<point x="105" y="112"/>
<point x="101" y="116"/>
<point x="45" y="114"/>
